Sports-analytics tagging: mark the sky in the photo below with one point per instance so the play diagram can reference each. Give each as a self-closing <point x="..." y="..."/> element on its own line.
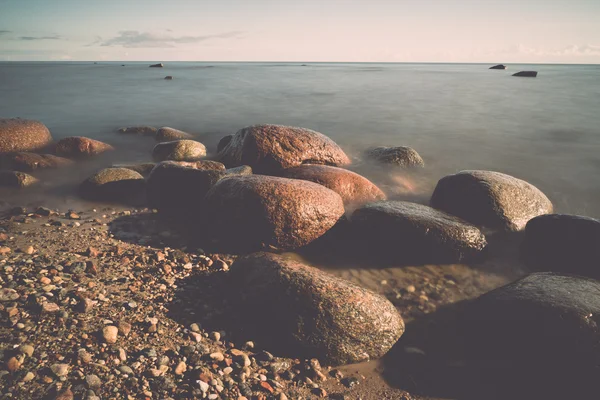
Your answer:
<point x="489" y="31"/>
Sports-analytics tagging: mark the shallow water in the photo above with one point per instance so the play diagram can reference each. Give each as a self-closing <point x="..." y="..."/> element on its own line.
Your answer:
<point x="458" y="116"/>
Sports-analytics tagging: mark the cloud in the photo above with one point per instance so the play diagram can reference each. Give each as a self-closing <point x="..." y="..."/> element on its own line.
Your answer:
<point x="136" y="39"/>
<point x="29" y="38"/>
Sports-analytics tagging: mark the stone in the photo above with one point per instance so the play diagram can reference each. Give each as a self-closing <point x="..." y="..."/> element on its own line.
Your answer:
<point x="143" y="169"/>
<point x="50" y="308"/>
<point x="60" y="369"/>
<point x="115" y="184"/>
<point x="490" y="199"/>
<point x="180" y="368"/>
<point x="179" y="150"/>
<point x="13" y="364"/>
<point x="563" y="243"/>
<point x="17" y="180"/>
<point x="26" y="349"/>
<point x="110" y="334"/>
<point x="65" y="394"/>
<point x="5" y="250"/>
<point x="143" y="130"/>
<point x="526" y="74"/>
<point x="271" y="148"/>
<point x="166" y="134"/>
<point x="257" y="211"/>
<point x="401" y="156"/>
<point x="93" y="381"/>
<point x="304" y="312"/>
<point x="223" y="142"/>
<point x="124" y="327"/>
<point x="80" y="147"/>
<point x="499" y="66"/>
<point x="168" y="78"/>
<point x="159" y="65"/>
<point x="28" y="162"/>
<point x="353" y="188"/>
<point x="18" y="135"/>
<point x="241" y="170"/>
<point x="7" y="294"/>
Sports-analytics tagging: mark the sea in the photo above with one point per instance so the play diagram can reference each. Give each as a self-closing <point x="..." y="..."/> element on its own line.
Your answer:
<point x="545" y="130"/>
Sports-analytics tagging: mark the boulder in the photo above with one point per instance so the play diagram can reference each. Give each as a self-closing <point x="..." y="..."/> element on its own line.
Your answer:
<point x="27" y="162"/>
<point x="15" y="179"/>
<point x="353" y="188"/>
<point x="271" y="148"/>
<point x="115" y="184"/>
<point x="490" y="199"/>
<point x="142" y="169"/>
<point x="179" y="150"/>
<point x="400" y="155"/>
<point x="80" y="147"/>
<point x="166" y="134"/>
<point x="168" y="78"/>
<point x="526" y="74"/>
<point x="159" y="65"/>
<point x="563" y="243"/>
<point x="413" y="233"/>
<point x="258" y="211"/>
<point x="223" y="142"/>
<point x="539" y="334"/>
<point x="141" y="130"/>
<point x="304" y="312"/>
<point x="242" y="170"/>
<point x="499" y="66"/>
<point x="18" y="134"/>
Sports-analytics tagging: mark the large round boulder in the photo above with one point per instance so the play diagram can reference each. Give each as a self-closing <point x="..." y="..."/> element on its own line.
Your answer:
<point x="563" y="243"/>
<point x="304" y="312"/>
<point x="539" y="334"/>
<point x="179" y="150"/>
<point x="80" y="147"/>
<point x="15" y="179"/>
<point x="352" y="187"/>
<point x="257" y="211"/>
<point x="166" y="134"/>
<point x="413" y="233"/>
<point x="490" y="199"/>
<point x="115" y="184"/>
<point x="271" y="148"/>
<point x="18" y="134"/>
<point x="27" y="162"/>
<point x="400" y="155"/>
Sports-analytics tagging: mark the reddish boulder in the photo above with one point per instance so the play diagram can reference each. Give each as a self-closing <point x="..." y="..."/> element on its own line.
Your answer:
<point x="18" y="134"/>
<point x="27" y="162"/>
<point x="80" y="147"/>
<point x="115" y="184"/>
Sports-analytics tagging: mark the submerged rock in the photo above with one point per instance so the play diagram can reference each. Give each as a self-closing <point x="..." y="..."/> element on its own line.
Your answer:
<point x="18" y="134"/>
<point x="141" y="130"/>
<point x="305" y="312"/>
<point x="115" y="184"/>
<point x="400" y="155"/>
<point x="16" y="179"/>
<point x="499" y="66"/>
<point x="166" y="134"/>
<point x="80" y="147"/>
<point x="413" y="233"/>
<point x="352" y="187"/>
<point x="490" y="199"/>
<point x="27" y="162"/>
<point x="179" y="150"/>
<point x="527" y="74"/>
<point x="258" y="211"/>
<point x="563" y="243"/>
<point x="271" y="148"/>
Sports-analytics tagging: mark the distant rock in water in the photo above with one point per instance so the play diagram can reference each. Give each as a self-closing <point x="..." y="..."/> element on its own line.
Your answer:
<point x="490" y="199"/>
<point x="166" y="134"/>
<point x="115" y="184"/>
<point x="18" y="134"/>
<point x="499" y="66"/>
<point x="159" y="65"/>
<point x="179" y="150"/>
<point x="563" y="243"/>
<point x="168" y="78"/>
<point x="27" y="162"/>
<point x="271" y="148"/>
<point x="15" y="179"/>
<point x="142" y="130"/>
<point x="527" y="74"/>
<point x="80" y="147"/>
<point x="400" y="155"/>
<point x="303" y="312"/>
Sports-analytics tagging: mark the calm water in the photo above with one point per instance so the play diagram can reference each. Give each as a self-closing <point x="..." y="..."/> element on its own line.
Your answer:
<point x="544" y="130"/>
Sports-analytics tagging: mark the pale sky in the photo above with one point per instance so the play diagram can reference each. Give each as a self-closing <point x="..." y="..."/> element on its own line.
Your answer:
<point x="491" y="31"/>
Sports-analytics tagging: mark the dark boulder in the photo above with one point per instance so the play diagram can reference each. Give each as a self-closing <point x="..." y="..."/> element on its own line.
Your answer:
<point x="257" y="211"/>
<point x="166" y="134"/>
<point x="304" y="312"/>
<point x="140" y="130"/>
<point x="271" y="148"/>
<point x="159" y="65"/>
<point x="405" y="232"/>
<point x="490" y="199"/>
<point x="563" y="243"/>
<point x="18" y="134"/>
<point x="179" y="150"/>
<point x="80" y="147"/>
<point x="168" y="78"/>
<point x="15" y="179"/>
<point x="27" y="162"/>
<point x="352" y="187"/>
<point x="115" y="184"/>
<point x="224" y="142"/>
<point x="400" y="155"/>
<point x="526" y="74"/>
<point x="499" y="66"/>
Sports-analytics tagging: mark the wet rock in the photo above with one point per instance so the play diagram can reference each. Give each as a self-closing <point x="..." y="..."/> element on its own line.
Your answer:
<point x="490" y="199"/>
<point x="499" y="66"/>
<point x="179" y="150"/>
<point x="18" y="134"/>
<point x="526" y="74"/>
<point x="224" y="142"/>
<point x="400" y="155"/>
<point x="413" y="233"/>
<point x="143" y="169"/>
<point x="166" y="134"/>
<point x="353" y="188"/>
<point x="14" y="179"/>
<point x="168" y="78"/>
<point x="27" y="162"/>
<point x="257" y="211"/>
<point x="115" y="184"/>
<point x="271" y="148"/>
<point x="563" y="243"/>
<point x="159" y="65"/>
<point x="140" y="130"/>
<point x="304" y="312"/>
<point x="80" y="147"/>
